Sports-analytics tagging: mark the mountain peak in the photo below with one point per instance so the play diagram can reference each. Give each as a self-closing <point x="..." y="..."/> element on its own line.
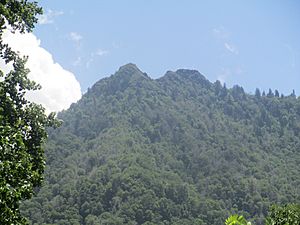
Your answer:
<point x="187" y="75"/>
<point x="191" y="74"/>
<point x="133" y="141"/>
<point x="130" y="72"/>
<point x="129" y="68"/>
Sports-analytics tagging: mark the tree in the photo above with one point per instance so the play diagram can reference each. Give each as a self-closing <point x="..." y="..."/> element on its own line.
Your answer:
<point x="278" y="215"/>
<point x="293" y="94"/>
<point x="270" y="93"/>
<point x="236" y="220"/>
<point x="19" y="16"/>
<point x="257" y="93"/>
<point x="22" y="123"/>
<point x="281" y="215"/>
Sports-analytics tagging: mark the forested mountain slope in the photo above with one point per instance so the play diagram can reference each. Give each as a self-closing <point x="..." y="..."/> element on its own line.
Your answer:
<point x="176" y="150"/>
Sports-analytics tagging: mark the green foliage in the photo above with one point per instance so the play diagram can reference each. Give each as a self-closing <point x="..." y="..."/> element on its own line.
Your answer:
<point x="282" y="215"/>
<point x="176" y="150"/>
<point x="22" y="124"/>
<point x="18" y="16"/>
<point x="236" y="220"/>
<point x="277" y="215"/>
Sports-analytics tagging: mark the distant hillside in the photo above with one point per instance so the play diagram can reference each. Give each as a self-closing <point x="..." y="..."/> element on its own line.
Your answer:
<point x="176" y="150"/>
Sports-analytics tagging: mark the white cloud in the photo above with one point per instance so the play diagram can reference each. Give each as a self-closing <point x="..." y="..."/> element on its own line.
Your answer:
<point x="221" y="32"/>
<point x="77" y="61"/>
<point x="223" y="35"/>
<point x="89" y="62"/>
<point x="223" y="75"/>
<point x="231" y="48"/>
<point x="48" y="17"/>
<point x="291" y="55"/>
<point x="101" y="52"/>
<point x="75" y="37"/>
<point x="59" y="86"/>
<point x="93" y="55"/>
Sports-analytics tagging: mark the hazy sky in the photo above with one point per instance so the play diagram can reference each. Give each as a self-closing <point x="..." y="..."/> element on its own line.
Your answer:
<point x="250" y="43"/>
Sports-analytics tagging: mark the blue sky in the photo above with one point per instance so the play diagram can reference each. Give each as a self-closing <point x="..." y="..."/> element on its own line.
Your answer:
<point x="249" y="43"/>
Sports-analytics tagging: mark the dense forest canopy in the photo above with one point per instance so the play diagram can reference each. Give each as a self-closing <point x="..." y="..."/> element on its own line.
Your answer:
<point x="175" y="150"/>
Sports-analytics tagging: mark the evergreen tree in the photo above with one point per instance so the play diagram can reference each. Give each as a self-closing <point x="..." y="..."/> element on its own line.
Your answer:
<point x="257" y="93"/>
<point x="270" y="93"/>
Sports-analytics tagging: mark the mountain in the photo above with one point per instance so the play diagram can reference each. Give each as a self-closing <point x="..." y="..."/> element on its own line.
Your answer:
<point x="175" y="150"/>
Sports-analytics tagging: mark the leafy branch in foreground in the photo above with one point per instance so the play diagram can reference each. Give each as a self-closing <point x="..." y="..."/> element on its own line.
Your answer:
<point x="236" y="220"/>
<point x="282" y="215"/>
<point x="278" y="215"/>
<point x="22" y="124"/>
